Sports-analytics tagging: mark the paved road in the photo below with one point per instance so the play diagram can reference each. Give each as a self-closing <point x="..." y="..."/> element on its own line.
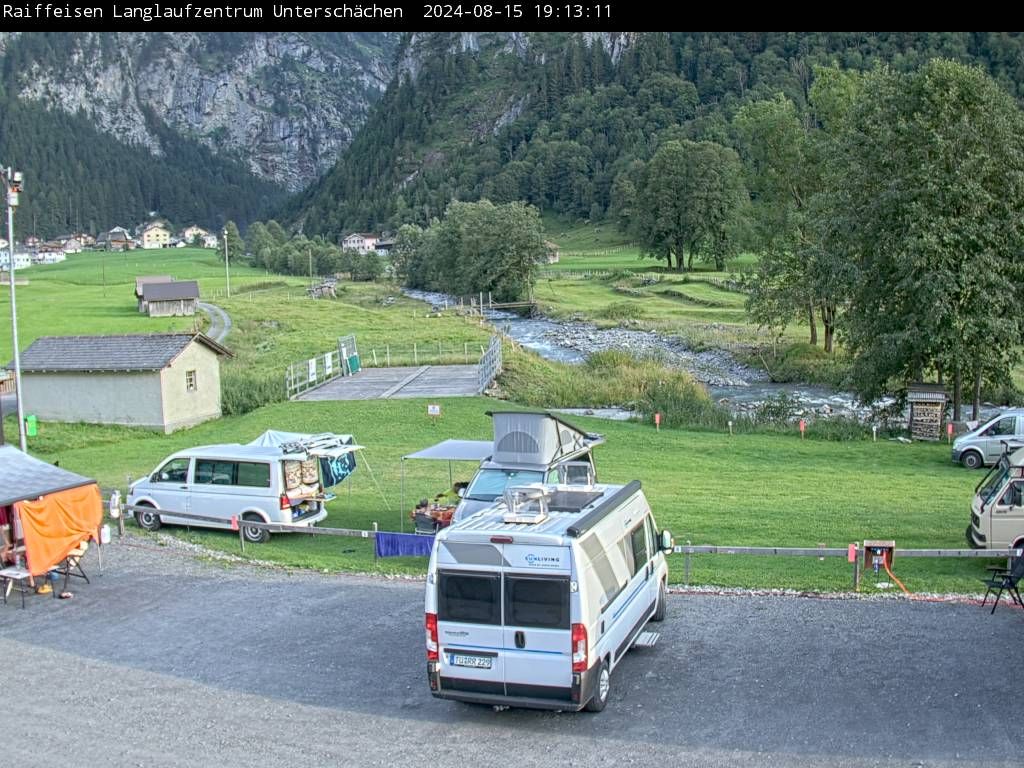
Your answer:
<point x="168" y="661"/>
<point x="220" y="321"/>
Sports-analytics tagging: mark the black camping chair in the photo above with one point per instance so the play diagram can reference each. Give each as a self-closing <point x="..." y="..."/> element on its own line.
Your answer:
<point x="1005" y="580"/>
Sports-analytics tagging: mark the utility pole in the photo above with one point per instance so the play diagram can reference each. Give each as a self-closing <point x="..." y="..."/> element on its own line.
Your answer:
<point x="12" y="186"/>
<point x="227" y="272"/>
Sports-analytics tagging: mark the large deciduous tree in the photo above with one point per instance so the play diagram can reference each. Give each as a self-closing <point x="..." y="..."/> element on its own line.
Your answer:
<point x="784" y="151"/>
<point x="692" y="200"/>
<point x="476" y="247"/>
<point x="926" y="202"/>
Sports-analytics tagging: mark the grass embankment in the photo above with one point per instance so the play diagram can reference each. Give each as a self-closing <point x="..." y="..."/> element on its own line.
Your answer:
<point x="707" y="487"/>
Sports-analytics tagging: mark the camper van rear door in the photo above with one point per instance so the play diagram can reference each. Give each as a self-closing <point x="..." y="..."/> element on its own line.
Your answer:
<point x="537" y="635"/>
<point x="469" y="631"/>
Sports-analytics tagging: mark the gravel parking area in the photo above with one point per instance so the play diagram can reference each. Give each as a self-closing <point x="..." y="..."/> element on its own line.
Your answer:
<point x="167" y="659"/>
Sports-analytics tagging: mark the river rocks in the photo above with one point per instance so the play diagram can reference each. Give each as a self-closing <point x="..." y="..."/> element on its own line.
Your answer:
<point x="715" y="367"/>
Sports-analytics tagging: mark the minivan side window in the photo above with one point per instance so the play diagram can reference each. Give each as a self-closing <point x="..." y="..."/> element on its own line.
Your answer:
<point x="245" y="473"/>
<point x="174" y="471"/>
<point x="541" y="603"/>
<point x="638" y="538"/>
<point x="1007" y="426"/>
<point x="471" y="598"/>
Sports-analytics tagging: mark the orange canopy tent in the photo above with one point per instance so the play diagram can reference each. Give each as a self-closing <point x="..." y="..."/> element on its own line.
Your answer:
<point x="58" y="509"/>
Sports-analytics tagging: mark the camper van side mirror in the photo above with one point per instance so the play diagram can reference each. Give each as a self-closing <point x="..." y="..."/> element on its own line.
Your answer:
<point x="666" y="542"/>
<point x="461" y="492"/>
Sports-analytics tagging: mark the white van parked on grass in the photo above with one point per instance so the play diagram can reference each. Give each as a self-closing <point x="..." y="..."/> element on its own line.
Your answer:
<point x="278" y="478"/>
<point x="535" y="600"/>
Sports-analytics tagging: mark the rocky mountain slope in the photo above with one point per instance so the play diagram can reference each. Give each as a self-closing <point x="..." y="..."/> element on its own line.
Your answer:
<point x="285" y="105"/>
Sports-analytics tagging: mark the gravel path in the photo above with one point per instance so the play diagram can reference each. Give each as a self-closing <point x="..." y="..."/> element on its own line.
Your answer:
<point x="167" y="659"/>
<point x="220" y="321"/>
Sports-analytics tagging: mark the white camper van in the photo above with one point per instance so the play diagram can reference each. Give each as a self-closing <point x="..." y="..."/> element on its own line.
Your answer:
<point x="280" y="477"/>
<point x="535" y="600"/>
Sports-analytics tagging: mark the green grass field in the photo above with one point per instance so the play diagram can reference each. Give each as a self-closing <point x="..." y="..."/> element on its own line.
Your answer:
<point x="707" y="487"/>
<point x="94" y="292"/>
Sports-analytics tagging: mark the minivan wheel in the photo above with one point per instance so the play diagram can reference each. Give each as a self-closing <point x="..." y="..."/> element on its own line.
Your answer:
<point x="602" y="690"/>
<point x="252" y="534"/>
<point x="659" y="607"/>
<point x="147" y="518"/>
<point x="971" y="460"/>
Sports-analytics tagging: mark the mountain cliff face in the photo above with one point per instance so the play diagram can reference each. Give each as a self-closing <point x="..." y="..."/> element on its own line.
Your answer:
<point x="284" y="105"/>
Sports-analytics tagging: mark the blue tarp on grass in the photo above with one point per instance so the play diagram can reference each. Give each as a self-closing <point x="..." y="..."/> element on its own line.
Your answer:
<point x="403" y="545"/>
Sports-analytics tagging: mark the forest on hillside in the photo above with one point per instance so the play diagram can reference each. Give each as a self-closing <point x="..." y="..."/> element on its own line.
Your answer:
<point x="559" y="125"/>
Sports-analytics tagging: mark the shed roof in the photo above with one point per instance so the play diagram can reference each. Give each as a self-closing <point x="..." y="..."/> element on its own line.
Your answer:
<point x="145" y="279"/>
<point x="136" y="352"/>
<point x="24" y="477"/>
<point x="170" y="291"/>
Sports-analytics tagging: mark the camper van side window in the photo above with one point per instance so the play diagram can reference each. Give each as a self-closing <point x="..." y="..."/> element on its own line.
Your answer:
<point x="1012" y="497"/>
<point x="472" y="598"/>
<point x="542" y="603"/>
<point x="639" y="539"/>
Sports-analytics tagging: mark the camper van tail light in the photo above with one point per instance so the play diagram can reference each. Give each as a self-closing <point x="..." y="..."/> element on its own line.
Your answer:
<point x="286" y="503"/>
<point x="579" y="648"/>
<point x="431" y="624"/>
<point x="501" y="539"/>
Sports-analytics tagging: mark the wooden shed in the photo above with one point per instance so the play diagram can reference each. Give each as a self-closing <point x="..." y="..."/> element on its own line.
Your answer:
<point x="170" y="299"/>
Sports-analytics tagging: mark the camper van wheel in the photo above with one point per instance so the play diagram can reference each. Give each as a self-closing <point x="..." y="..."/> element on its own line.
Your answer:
<point x="147" y="518"/>
<point x="659" y="608"/>
<point x="601" y="690"/>
<point x="971" y="460"/>
<point x="253" y="534"/>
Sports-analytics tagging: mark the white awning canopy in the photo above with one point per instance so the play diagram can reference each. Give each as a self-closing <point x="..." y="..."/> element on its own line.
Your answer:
<point x="455" y="450"/>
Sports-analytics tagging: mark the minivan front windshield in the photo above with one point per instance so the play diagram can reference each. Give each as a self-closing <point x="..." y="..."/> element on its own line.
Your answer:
<point x="489" y="484"/>
<point x="993" y="483"/>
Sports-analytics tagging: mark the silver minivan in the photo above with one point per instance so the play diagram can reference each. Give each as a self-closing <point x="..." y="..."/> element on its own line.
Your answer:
<point x="263" y="483"/>
<point x="984" y="445"/>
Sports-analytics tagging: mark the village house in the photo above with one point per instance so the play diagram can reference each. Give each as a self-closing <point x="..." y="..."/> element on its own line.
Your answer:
<point x="384" y="247"/>
<point x="156" y="234"/>
<point x="117" y="239"/>
<point x="361" y="242"/>
<point x="160" y="381"/>
<point x="22" y="260"/>
<point x="211" y="241"/>
<point x="188" y="234"/>
<point x="170" y="299"/>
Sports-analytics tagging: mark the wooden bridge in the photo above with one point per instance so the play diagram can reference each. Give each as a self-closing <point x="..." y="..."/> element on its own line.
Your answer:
<point x="327" y="377"/>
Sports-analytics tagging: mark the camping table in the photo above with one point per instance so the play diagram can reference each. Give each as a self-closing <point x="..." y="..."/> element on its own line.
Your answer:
<point x="13" y="574"/>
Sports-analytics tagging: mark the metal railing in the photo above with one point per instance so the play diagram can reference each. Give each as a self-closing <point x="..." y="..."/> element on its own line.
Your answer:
<point x="490" y="364"/>
<point x="854" y="553"/>
<point x="311" y="373"/>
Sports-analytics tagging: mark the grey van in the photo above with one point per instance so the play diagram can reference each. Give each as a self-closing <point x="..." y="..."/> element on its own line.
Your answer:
<point x="983" y="446"/>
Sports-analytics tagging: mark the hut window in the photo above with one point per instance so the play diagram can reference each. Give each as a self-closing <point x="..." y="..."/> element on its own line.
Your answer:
<point x="190" y="381"/>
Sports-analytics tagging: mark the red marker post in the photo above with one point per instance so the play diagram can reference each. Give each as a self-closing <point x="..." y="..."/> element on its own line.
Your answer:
<point x="803" y="427"/>
<point x="657" y="421"/>
<point x="949" y="432"/>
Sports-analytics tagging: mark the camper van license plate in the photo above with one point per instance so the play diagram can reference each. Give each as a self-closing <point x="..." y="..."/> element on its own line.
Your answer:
<point x="480" y="662"/>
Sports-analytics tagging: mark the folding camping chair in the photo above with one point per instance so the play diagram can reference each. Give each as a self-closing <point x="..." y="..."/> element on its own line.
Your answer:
<point x="1005" y="579"/>
<point x="72" y="565"/>
<point x="425" y="524"/>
